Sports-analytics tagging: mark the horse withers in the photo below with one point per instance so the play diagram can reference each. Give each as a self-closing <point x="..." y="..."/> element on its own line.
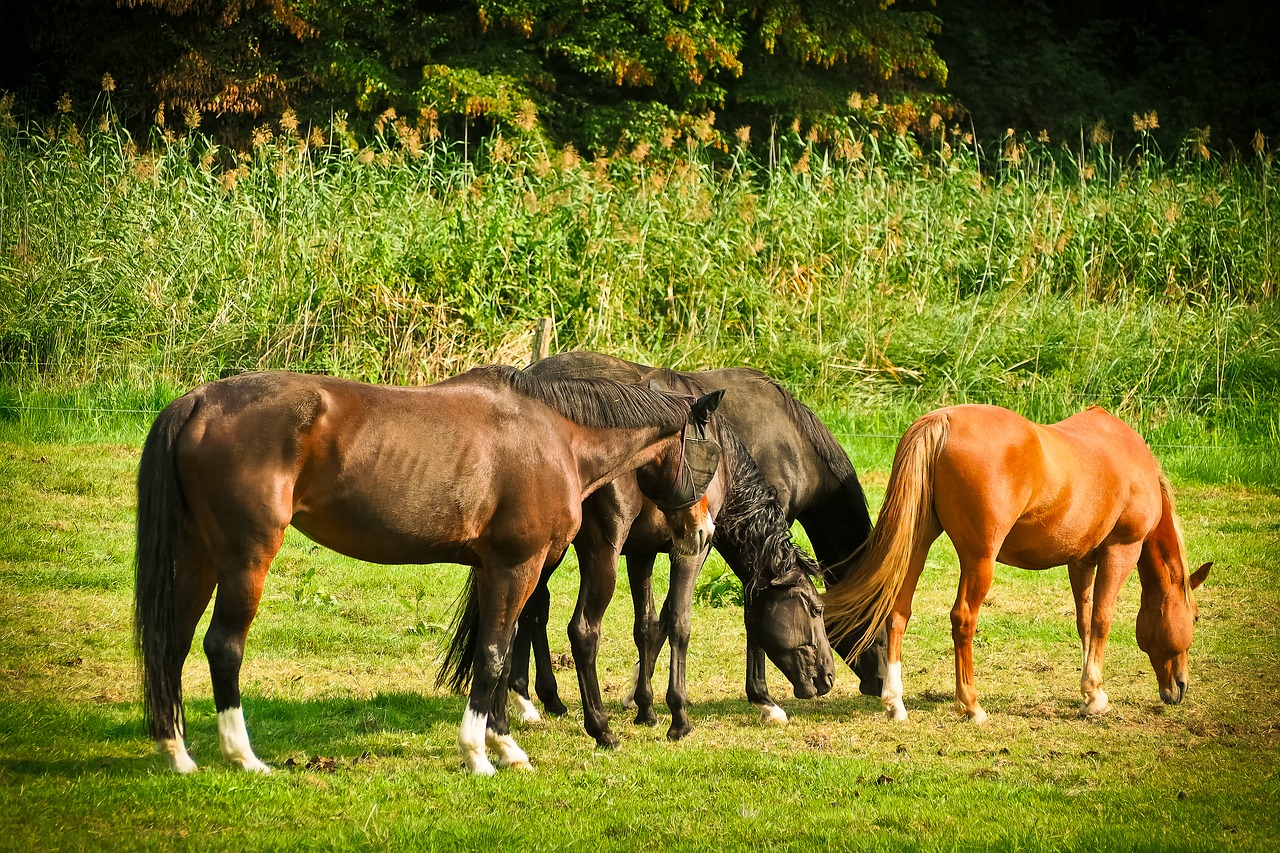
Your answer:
<point x="487" y="469"/>
<point x="1085" y="493"/>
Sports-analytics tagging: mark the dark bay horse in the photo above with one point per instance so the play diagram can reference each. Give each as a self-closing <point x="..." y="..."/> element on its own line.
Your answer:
<point x="488" y="469"/>
<point x="812" y="480"/>
<point x="1085" y="493"/>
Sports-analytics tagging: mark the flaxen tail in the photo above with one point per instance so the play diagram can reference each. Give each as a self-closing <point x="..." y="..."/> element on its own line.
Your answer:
<point x="862" y="601"/>
<point x="161" y="507"/>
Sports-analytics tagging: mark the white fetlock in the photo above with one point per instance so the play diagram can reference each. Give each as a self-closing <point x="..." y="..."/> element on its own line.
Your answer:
<point x="477" y="763"/>
<point x="471" y="739"/>
<point x="1096" y="706"/>
<point x="772" y="715"/>
<point x="526" y="712"/>
<point x="510" y="755"/>
<point x="233" y="738"/>
<point x="176" y="756"/>
<point x="629" y="701"/>
<point x="891" y="695"/>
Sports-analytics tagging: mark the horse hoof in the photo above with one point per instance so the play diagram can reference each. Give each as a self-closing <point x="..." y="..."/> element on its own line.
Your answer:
<point x="254" y="766"/>
<point x="526" y="713"/>
<point x="608" y="740"/>
<point x="897" y="713"/>
<point x="674" y="733"/>
<point x="629" y="701"/>
<point x="646" y="717"/>
<point x="977" y="716"/>
<point x="772" y="715"/>
<point x="478" y="767"/>
<point x="519" y="767"/>
<point x="1096" y="707"/>
<point x="555" y="708"/>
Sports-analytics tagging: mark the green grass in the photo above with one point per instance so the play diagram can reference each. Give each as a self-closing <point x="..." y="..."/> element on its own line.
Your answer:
<point x="339" y="698"/>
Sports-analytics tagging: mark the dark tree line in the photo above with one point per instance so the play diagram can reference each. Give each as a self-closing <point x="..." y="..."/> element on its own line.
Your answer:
<point x="609" y="72"/>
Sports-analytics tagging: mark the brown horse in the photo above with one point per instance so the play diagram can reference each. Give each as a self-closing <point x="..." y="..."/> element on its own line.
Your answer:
<point x="488" y="469"/>
<point x="1085" y="493"/>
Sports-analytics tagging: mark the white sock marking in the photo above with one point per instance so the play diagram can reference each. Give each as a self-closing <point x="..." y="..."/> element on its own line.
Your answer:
<point x="233" y="737"/>
<point x="471" y="737"/>
<point x="772" y="715"/>
<point x="525" y="710"/>
<point x="891" y="695"/>
<point x="509" y="753"/>
<point x="175" y="753"/>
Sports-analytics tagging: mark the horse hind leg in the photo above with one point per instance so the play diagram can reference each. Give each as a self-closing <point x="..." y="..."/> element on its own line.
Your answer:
<point x="236" y="604"/>
<point x="501" y="594"/>
<point x="896" y="627"/>
<point x="193" y="587"/>
<point x="975" y="581"/>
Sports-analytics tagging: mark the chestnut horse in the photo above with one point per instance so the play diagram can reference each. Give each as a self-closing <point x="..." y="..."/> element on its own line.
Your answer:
<point x="795" y="462"/>
<point x="487" y="469"/>
<point x="1085" y="493"/>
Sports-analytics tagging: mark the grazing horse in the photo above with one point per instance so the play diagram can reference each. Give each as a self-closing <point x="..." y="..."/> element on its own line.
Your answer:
<point x="782" y="608"/>
<point x="813" y="481"/>
<point x="1085" y="493"/>
<point x="487" y="469"/>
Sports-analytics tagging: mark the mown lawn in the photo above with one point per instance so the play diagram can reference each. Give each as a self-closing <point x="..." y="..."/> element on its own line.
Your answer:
<point x="340" y="699"/>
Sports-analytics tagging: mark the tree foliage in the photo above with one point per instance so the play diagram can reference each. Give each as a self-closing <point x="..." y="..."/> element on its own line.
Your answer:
<point x="593" y="73"/>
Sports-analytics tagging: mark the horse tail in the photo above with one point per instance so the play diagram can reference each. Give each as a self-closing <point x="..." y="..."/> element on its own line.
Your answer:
<point x="863" y="600"/>
<point x="161" y="507"/>
<point x="455" y="669"/>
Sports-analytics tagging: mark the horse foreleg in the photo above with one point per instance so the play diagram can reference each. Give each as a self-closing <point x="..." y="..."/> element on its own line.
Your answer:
<point x="757" y="688"/>
<point x="1114" y="566"/>
<point x="678" y="609"/>
<point x="599" y="568"/>
<point x="647" y="633"/>
<point x="975" y="581"/>
<point x="1082" y="577"/>
<point x="501" y="592"/>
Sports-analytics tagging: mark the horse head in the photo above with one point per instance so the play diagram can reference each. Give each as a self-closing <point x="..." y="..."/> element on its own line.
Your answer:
<point x="784" y="615"/>
<point x="677" y="482"/>
<point x="1166" y="620"/>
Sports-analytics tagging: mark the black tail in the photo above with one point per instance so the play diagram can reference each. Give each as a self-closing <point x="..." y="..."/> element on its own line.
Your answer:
<point x="160" y="511"/>
<point x="455" y="669"/>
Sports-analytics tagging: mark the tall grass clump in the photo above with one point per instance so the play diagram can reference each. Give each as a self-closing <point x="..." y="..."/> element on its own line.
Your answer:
<point x="877" y="277"/>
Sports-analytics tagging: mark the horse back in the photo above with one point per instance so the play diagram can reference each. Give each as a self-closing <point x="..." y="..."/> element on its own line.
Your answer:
<point x="1048" y="494"/>
<point x="381" y="473"/>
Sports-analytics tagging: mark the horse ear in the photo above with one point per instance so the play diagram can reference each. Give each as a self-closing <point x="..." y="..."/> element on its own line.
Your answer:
<point x="790" y="578"/>
<point x="1200" y="575"/>
<point x="706" y="407"/>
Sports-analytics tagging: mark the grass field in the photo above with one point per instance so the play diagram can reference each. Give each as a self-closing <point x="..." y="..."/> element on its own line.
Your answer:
<point x="339" y="698"/>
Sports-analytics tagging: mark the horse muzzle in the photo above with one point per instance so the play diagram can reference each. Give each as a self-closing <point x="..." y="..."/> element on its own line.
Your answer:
<point x="1174" y="694"/>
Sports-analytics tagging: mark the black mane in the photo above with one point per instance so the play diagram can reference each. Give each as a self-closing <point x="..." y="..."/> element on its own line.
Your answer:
<point x="596" y="403"/>
<point x="753" y="525"/>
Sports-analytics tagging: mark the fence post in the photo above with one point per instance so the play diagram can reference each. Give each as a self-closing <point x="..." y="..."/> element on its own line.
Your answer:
<point x="542" y="339"/>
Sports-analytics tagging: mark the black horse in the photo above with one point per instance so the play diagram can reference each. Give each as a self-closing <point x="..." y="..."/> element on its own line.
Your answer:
<point x="783" y="610"/>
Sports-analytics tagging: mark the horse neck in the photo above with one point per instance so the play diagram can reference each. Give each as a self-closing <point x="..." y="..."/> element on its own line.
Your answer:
<point x="603" y="454"/>
<point x="837" y="526"/>
<point x="1162" y="563"/>
<point x="752" y="533"/>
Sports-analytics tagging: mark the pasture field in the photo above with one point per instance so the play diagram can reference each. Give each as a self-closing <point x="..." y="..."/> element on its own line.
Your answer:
<point x="340" y="700"/>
